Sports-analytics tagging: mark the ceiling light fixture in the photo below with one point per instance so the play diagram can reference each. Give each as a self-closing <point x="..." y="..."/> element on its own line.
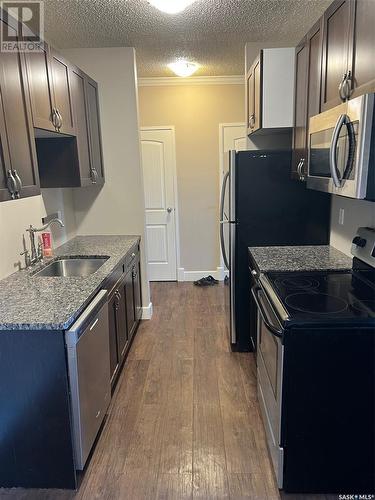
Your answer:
<point x="171" y="6"/>
<point x="183" y="68"/>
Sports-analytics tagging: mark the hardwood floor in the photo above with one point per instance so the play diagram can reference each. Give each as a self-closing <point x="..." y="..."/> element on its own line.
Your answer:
<point x="184" y="422"/>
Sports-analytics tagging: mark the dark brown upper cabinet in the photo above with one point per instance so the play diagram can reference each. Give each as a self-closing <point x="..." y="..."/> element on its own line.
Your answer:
<point x="19" y="172"/>
<point x="348" y="67"/>
<point x="361" y="60"/>
<point x="62" y="93"/>
<point x="307" y="95"/>
<point x="254" y="96"/>
<point x="81" y="112"/>
<point x="50" y="90"/>
<point x="336" y="31"/>
<point x="69" y="161"/>
<point x="96" y="156"/>
<point x="300" y="109"/>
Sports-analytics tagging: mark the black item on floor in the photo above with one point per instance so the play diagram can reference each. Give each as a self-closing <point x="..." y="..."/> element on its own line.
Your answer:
<point x="206" y="281"/>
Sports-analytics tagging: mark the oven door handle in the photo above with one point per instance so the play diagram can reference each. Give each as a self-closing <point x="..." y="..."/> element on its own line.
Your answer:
<point x="342" y="120"/>
<point x="278" y="332"/>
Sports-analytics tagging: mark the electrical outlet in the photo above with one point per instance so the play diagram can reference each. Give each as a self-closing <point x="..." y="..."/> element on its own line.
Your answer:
<point x="341" y="216"/>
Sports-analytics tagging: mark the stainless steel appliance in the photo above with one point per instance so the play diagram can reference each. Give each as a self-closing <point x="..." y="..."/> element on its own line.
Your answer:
<point x="315" y="368"/>
<point x="87" y="344"/>
<point x="270" y="357"/>
<point x="341" y="160"/>
<point x="262" y="206"/>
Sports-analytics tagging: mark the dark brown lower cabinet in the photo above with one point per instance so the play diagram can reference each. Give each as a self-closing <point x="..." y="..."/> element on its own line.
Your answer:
<point x="122" y="331"/>
<point x="113" y="350"/>
<point x="137" y="291"/>
<point x="130" y="314"/>
<point x="125" y="307"/>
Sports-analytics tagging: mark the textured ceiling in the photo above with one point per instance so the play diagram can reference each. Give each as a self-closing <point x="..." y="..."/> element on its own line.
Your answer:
<point x="209" y="32"/>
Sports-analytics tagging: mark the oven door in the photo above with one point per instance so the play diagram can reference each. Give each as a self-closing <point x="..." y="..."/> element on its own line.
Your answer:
<point x="339" y="148"/>
<point x="270" y="354"/>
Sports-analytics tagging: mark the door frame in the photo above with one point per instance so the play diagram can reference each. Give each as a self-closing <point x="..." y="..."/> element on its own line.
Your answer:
<point x="175" y="189"/>
<point x="222" y="127"/>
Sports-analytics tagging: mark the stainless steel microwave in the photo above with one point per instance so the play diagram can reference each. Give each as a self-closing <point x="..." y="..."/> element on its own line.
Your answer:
<point x="341" y="150"/>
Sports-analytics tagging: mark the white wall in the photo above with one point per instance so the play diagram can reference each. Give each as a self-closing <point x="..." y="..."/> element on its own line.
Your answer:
<point x="357" y="213"/>
<point x="117" y="207"/>
<point x="17" y="215"/>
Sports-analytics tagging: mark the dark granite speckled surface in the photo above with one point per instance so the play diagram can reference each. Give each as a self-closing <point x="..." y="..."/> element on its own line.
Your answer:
<point x="30" y="302"/>
<point x="300" y="258"/>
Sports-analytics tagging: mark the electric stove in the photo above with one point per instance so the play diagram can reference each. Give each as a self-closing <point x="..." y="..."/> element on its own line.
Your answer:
<point x="328" y="296"/>
<point x="316" y="374"/>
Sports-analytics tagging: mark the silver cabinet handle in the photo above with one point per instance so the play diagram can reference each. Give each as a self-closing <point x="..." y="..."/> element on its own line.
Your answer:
<point x="348" y="85"/>
<point x="59" y="119"/>
<point x="341" y="87"/>
<point x="252" y="121"/>
<point x="94" y="175"/>
<point x="301" y="174"/>
<point x="18" y="183"/>
<point x="12" y="184"/>
<point x="55" y="118"/>
<point x="299" y="169"/>
<point x="342" y="119"/>
<point x="169" y="210"/>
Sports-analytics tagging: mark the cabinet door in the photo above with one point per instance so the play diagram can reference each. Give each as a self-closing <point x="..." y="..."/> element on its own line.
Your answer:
<point x="40" y="84"/>
<point x="314" y="41"/>
<point x="4" y="159"/>
<point x="96" y="157"/>
<point x="62" y="93"/>
<point x="17" y="127"/>
<point x="78" y="84"/>
<point x="113" y="304"/>
<point x="122" y="332"/>
<point x="257" y="94"/>
<point x="362" y="47"/>
<point x="137" y="292"/>
<point x="300" y="109"/>
<point x="131" y="322"/>
<point x="250" y="100"/>
<point x="335" y="52"/>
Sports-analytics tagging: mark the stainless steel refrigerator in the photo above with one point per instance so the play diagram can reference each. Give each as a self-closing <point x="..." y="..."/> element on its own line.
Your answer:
<point x="262" y="206"/>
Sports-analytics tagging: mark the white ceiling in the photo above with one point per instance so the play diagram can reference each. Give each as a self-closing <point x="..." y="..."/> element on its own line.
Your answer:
<point x="209" y="32"/>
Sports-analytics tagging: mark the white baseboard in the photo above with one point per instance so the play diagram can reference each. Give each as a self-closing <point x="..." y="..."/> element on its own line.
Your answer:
<point x="183" y="275"/>
<point x="147" y="311"/>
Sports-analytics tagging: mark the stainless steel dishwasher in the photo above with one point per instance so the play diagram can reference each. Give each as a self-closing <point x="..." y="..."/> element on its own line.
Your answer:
<point x="87" y="344"/>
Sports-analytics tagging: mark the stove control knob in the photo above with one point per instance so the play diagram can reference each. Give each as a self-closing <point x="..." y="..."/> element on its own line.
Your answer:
<point x="360" y="242"/>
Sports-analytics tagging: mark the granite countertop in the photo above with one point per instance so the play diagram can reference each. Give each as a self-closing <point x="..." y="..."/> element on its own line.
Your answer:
<point x="300" y="258"/>
<point x="30" y="302"/>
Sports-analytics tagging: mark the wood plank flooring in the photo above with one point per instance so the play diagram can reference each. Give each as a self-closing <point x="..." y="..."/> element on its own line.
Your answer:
<point x="184" y="422"/>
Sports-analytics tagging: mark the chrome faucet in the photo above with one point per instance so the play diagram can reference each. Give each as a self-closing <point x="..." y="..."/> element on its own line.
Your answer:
<point x="37" y="255"/>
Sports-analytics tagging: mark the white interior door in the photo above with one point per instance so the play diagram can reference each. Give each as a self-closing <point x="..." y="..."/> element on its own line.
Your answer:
<point x="158" y="162"/>
<point x="232" y="137"/>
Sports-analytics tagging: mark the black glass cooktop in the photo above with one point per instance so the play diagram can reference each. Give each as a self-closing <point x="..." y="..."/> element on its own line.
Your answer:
<point x="325" y="295"/>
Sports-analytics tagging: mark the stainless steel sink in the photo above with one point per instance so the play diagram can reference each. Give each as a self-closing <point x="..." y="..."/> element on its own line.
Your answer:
<point x="72" y="267"/>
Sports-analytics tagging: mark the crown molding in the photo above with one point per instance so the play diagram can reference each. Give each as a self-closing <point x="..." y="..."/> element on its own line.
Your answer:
<point x="192" y="80"/>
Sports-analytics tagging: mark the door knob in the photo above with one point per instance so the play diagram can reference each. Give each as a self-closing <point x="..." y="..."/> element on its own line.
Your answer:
<point x="169" y="209"/>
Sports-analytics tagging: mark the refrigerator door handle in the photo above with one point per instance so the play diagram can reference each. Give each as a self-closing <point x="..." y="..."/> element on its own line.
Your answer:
<point x="222" y="200"/>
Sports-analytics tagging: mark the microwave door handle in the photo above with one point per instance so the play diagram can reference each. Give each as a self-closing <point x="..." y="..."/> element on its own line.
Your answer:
<point x="278" y="332"/>
<point x="351" y="152"/>
<point x="342" y="119"/>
